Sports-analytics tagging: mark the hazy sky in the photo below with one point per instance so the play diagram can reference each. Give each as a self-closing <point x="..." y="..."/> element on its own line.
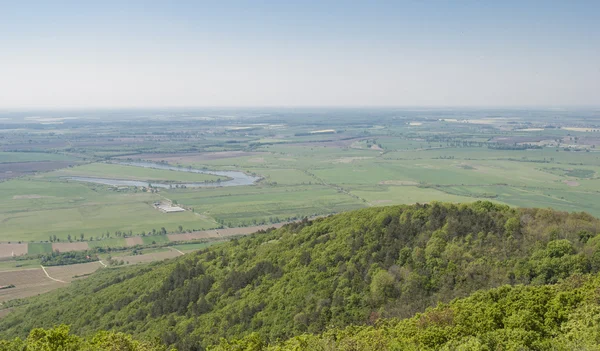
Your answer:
<point x="322" y="53"/>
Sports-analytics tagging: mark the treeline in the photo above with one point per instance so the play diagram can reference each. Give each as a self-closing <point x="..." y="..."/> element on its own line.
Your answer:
<point x="353" y="268"/>
<point x="121" y="234"/>
<point x="65" y="258"/>
<point x="515" y="146"/>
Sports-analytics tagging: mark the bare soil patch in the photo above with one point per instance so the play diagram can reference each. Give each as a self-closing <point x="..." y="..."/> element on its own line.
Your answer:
<point x="27" y="282"/>
<point x="65" y="247"/>
<point x="149" y="257"/>
<point x="257" y="160"/>
<point x="73" y="271"/>
<point x="9" y="250"/>
<point x="571" y="182"/>
<point x="205" y="234"/>
<point x="398" y="182"/>
<point x="136" y="240"/>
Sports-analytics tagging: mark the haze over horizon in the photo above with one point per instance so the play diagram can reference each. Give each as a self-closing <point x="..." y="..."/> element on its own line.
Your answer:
<point x="326" y="53"/>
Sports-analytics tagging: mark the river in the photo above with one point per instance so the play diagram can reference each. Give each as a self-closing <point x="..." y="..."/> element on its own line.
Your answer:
<point x="236" y="178"/>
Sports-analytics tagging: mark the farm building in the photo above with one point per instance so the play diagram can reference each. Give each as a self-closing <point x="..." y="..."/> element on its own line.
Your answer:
<point x="167" y="208"/>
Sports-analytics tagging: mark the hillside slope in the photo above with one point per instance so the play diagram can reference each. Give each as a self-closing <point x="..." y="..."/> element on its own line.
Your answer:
<point x="558" y="317"/>
<point x="351" y="268"/>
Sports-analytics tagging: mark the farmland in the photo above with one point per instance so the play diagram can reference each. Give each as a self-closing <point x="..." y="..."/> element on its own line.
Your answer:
<point x="28" y="278"/>
<point x="27" y="282"/>
<point x="530" y="158"/>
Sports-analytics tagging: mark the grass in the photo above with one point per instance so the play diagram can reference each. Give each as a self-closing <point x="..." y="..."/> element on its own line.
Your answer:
<point x="39" y="248"/>
<point x="6" y="157"/>
<point x="106" y="243"/>
<point x="155" y="239"/>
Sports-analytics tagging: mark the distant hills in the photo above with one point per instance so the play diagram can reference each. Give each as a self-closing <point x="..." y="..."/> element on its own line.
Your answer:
<point x="349" y="281"/>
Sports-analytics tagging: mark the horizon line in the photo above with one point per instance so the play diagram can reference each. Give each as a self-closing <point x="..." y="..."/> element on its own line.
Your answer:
<point x="230" y="107"/>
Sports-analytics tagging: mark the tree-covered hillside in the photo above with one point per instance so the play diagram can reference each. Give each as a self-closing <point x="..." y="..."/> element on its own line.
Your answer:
<point x="560" y="317"/>
<point x="351" y="268"/>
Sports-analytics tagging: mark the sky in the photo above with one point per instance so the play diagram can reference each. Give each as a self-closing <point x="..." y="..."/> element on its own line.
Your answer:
<point x="109" y="54"/>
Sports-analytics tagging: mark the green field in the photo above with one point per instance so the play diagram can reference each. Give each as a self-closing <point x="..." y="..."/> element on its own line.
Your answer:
<point x="34" y="209"/>
<point x="105" y="243"/>
<point x="155" y="239"/>
<point x="8" y="157"/>
<point x="241" y="206"/>
<point x="39" y="248"/>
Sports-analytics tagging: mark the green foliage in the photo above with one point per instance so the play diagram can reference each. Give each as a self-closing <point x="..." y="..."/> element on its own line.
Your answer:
<point x="560" y="317"/>
<point x="64" y="258"/>
<point x="355" y="268"/>
<point x="59" y="339"/>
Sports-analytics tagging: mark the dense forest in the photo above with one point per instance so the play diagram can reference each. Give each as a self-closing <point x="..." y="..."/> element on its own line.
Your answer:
<point x="372" y="268"/>
<point x="558" y="317"/>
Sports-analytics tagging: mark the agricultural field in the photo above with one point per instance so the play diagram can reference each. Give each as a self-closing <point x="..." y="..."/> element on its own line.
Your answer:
<point x="155" y="239"/>
<point x="532" y="158"/>
<point x="19" y="164"/>
<point x="71" y="272"/>
<point x="13" y="249"/>
<point x="23" y="157"/>
<point x="106" y="243"/>
<point x="29" y="279"/>
<point x="146" y="256"/>
<point x="27" y="282"/>
<point x="39" y="248"/>
<point x="35" y="209"/>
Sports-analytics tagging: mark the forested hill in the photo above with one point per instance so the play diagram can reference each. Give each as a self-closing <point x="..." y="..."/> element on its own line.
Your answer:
<point x="351" y="268"/>
<point x="561" y="317"/>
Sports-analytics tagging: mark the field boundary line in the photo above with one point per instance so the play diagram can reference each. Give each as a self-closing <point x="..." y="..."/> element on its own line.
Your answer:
<point x="48" y="275"/>
<point x="172" y="248"/>
<point x="102" y="263"/>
